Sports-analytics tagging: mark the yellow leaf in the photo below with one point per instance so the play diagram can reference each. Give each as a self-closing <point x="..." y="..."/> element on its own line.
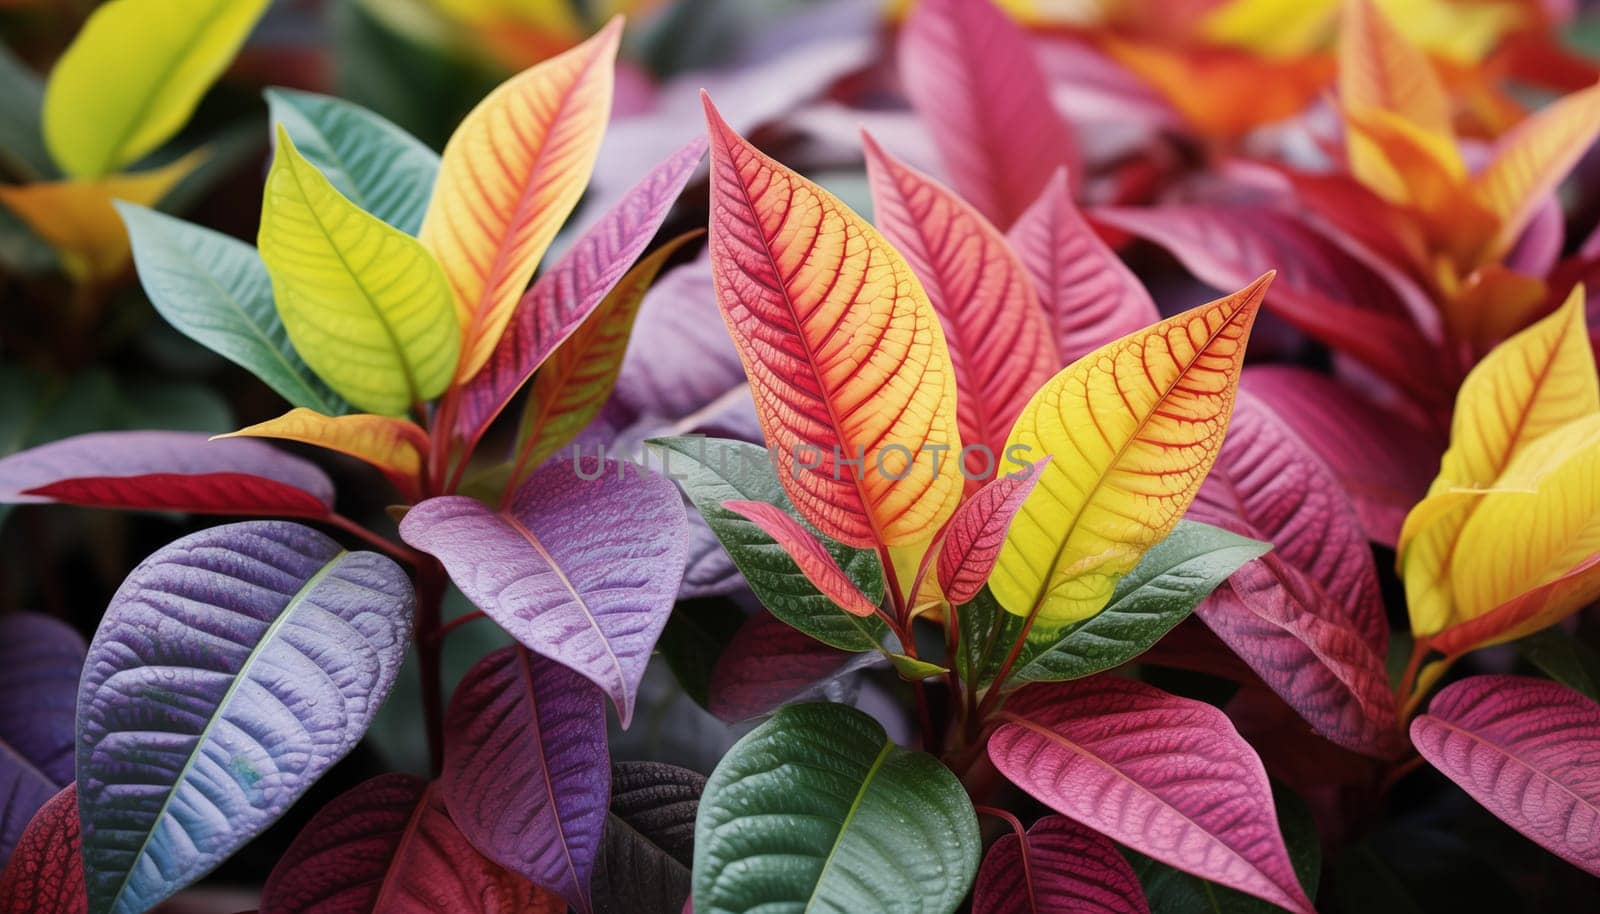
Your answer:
<point x="364" y="303"/>
<point x="1277" y="28"/>
<point x="510" y="175"/>
<point x="77" y="219"/>
<point x="1132" y="428"/>
<point x="1380" y="70"/>
<point x="1531" y="160"/>
<point x="395" y="446"/>
<point x="134" y="74"/>
<point x="1457" y="31"/>
<point x="1538" y="381"/>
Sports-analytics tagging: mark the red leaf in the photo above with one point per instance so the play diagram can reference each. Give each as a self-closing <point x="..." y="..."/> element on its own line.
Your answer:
<point x="167" y="471"/>
<point x="1384" y="459"/>
<point x="972" y="75"/>
<point x="976" y="531"/>
<point x="45" y="873"/>
<point x="1166" y="776"/>
<point x="1067" y="868"/>
<point x="999" y="340"/>
<point x="1529" y="751"/>
<point x="1090" y="297"/>
<point x="815" y="561"/>
<point x="768" y="664"/>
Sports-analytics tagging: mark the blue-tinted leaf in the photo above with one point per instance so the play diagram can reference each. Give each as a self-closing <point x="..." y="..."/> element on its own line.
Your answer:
<point x="40" y="659"/>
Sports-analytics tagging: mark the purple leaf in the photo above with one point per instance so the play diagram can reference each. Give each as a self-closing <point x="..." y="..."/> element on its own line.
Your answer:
<point x="583" y="571"/>
<point x="972" y="75"/>
<point x="388" y="846"/>
<point x="572" y="288"/>
<point x="1529" y="751"/>
<point x="1384" y="460"/>
<point x="232" y="668"/>
<point x="710" y="571"/>
<point x="1166" y="776"/>
<point x="526" y="772"/>
<point x="1090" y="297"/>
<point x="768" y="664"/>
<point x="45" y="875"/>
<point x="976" y="531"/>
<point x="167" y="471"/>
<point x="1061" y="866"/>
<point x="40" y="661"/>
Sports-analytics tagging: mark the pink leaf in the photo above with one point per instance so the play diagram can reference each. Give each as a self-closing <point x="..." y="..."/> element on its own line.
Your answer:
<point x="768" y="664"/>
<point x="1166" y="776"/>
<point x="1384" y="460"/>
<point x="972" y="75"/>
<point x="1061" y="866"/>
<point x="572" y="288"/>
<point x="976" y="531"/>
<point x="1529" y="751"/>
<point x="45" y="872"/>
<point x="808" y="552"/>
<point x="1090" y="297"/>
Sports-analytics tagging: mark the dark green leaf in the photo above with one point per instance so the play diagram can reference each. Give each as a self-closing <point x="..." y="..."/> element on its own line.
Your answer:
<point x="818" y="810"/>
<point x="21" y="143"/>
<point x="695" y="635"/>
<point x="1563" y="658"/>
<point x="715" y="470"/>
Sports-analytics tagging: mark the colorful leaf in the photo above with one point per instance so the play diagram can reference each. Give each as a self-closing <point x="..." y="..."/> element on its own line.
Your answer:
<point x="256" y="628"/>
<point x="972" y="539"/>
<point x="106" y="106"/>
<point x="166" y="471"/>
<point x="1000" y="346"/>
<point x="40" y="660"/>
<point x="1058" y="866"/>
<point x="649" y="843"/>
<point x="813" y="559"/>
<point x="45" y="873"/>
<point x="395" y="446"/>
<point x="215" y="290"/>
<point x="389" y="845"/>
<point x="768" y="664"/>
<point x="817" y="807"/>
<point x="574" y="383"/>
<point x="844" y="352"/>
<point x="374" y="164"/>
<point x="511" y="173"/>
<point x="567" y="293"/>
<point x="973" y="78"/>
<point x="1089" y="296"/>
<point x="1106" y="752"/>
<point x="714" y="471"/>
<point x="526" y="776"/>
<point x="1532" y="159"/>
<point x="364" y="303"/>
<point x="1132" y="429"/>
<point x="1525" y="749"/>
<point x="582" y="566"/>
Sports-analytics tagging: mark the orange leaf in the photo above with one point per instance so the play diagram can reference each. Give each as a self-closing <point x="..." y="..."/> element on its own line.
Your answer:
<point x="1000" y="342"/>
<point x="1224" y="92"/>
<point x="815" y="561"/>
<point x="852" y="380"/>
<point x="510" y="175"/>
<point x="1532" y="160"/>
<point x="1379" y="69"/>
<point x="395" y="446"/>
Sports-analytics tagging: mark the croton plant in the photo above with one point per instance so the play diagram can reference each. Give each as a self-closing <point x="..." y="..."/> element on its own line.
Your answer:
<point x="931" y="546"/>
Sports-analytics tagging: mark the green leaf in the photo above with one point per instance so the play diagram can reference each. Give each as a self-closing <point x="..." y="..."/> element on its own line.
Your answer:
<point x="817" y="810"/>
<point x="914" y="669"/>
<point x="696" y="633"/>
<point x="215" y="290"/>
<point x="1167" y="584"/>
<point x="714" y="470"/>
<point x="1563" y="658"/>
<point x="381" y="168"/>
<point x="1169" y="889"/>
<point x="134" y="74"/>
<point x="366" y="306"/>
<point x="21" y="96"/>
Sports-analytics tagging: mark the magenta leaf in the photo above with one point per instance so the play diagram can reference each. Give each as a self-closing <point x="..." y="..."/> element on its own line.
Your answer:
<point x="40" y="661"/>
<point x="526" y="773"/>
<point x="769" y="664"/>
<point x="388" y="845"/>
<point x="976" y="531"/>
<point x="1529" y="751"/>
<point x="582" y="567"/>
<point x="572" y="288"/>
<point x="1060" y="866"/>
<point x="167" y="471"/>
<point x="232" y="668"/>
<point x="1090" y="297"/>
<point x="649" y="843"/>
<point x="972" y="75"/>
<point x="45" y="873"/>
<point x="1166" y="776"/>
<point x="1384" y="460"/>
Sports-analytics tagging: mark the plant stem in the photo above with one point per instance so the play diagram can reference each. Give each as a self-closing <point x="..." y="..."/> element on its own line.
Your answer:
<point x="394" y="550"/>
<point x="453" y="624"/>
<point x="1013" y="821"/>
<point x="995" y="688"/>
<point x="430" y="607"/>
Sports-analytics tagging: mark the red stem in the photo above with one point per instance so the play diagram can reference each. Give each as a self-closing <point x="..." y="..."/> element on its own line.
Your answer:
<point x="394" y="550"/>
<point x="1016" y="824"/>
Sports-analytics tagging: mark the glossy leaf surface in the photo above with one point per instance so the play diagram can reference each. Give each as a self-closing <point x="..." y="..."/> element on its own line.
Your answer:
<point x="45" y="873"/>
<point x="1059" y="866"/>
<point x="812" y="557"/>
<point x="214" y="642"/>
